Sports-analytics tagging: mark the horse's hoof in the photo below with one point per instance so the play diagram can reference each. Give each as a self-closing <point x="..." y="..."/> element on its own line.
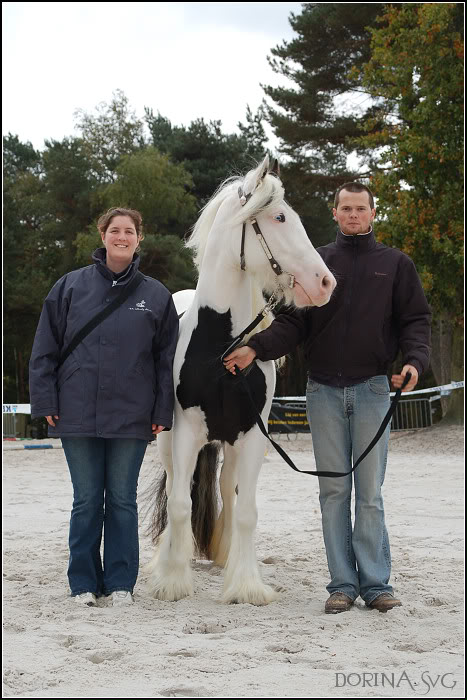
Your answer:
<point x="254" y="595"/>
<point x="170" y="596"/>
<point x="170" y="590"/>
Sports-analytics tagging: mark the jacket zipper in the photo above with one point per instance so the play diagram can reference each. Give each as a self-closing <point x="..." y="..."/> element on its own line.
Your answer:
<point x="348" y="304"/>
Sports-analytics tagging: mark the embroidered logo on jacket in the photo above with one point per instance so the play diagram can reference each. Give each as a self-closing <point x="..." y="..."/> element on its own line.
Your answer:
<point x="140" y="306"/>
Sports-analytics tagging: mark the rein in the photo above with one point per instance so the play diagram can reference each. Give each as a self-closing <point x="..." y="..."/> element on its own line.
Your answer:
<point x="240" y="376"/>
<point x="284" y="454"/>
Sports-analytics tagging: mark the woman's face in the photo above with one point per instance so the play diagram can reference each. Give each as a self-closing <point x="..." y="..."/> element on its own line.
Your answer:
<point x="120" y="240"/>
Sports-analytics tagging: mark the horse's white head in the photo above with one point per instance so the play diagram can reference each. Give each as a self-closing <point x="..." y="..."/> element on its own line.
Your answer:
<point x="259" y="197"/>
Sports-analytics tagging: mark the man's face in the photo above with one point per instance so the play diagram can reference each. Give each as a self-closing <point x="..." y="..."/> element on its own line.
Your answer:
<point x="353" y="213"/>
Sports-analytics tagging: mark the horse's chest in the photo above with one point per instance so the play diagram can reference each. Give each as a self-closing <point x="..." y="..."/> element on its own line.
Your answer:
<point x="206" y="384"/>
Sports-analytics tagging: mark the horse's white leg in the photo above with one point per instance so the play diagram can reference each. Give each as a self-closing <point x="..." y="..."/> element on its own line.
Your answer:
<point x="172" y="578"/>
<point x="242" y="582"/>
<point x="222" y="536"/>
<point x="164" y="448"/>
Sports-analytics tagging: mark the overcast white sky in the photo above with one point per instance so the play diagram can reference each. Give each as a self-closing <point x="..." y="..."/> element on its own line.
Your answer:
<point x="185" y="60"/>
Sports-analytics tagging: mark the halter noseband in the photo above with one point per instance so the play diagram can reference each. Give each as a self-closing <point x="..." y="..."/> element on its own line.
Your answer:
<point x="276" y="268"/>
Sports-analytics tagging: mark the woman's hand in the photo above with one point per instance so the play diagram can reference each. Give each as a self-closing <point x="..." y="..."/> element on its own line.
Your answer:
<point x="156" y="429"/>
<point x="242" y="357"/>
<point x="50" y="421"/>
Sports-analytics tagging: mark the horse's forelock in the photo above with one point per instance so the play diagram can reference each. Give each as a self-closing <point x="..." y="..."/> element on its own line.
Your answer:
<point x="269" y="194"/>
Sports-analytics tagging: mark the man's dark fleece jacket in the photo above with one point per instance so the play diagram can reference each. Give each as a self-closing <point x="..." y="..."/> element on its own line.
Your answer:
<point x="377" y="308"/>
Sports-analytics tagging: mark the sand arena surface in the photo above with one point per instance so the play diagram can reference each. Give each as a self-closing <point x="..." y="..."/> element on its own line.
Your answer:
<point x="199" y="647"/>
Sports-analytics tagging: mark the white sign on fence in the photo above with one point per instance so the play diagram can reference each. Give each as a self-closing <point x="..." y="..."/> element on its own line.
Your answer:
<point x="17" y="408"/>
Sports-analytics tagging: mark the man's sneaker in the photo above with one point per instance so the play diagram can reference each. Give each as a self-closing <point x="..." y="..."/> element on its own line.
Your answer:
<point x="88" y="599"/>
<point x="122" y="598"/>
<point x="384" y="602"/>
<point x="338" y="602"/>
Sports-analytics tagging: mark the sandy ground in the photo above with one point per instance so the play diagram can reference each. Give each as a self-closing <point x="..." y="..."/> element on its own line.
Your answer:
<point x="199" y="647"/>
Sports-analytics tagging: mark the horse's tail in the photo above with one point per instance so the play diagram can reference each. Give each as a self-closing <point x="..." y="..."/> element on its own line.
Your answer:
<point x="204" y="497"/>
<point x="154" y="506"/>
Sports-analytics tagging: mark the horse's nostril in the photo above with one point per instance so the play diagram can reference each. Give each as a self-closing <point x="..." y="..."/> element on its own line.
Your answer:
<point x="326" y="282"/>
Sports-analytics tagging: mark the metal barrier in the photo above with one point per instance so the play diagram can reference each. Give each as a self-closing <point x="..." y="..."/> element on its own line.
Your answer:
<point x="14" y="425"/>
<point x="412" y="414"/>
<point x="9" y="427"/>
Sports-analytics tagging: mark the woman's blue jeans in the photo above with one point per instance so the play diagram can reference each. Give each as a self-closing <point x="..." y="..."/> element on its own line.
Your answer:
<point x="104" y="473"/>
<point x="343" y="422"/>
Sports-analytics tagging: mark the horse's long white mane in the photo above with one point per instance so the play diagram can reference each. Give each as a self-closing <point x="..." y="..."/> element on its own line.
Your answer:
<point x="267" y="195"/>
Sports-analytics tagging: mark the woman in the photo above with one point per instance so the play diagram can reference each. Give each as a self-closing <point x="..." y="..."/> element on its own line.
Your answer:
<point x="108" y="398"/>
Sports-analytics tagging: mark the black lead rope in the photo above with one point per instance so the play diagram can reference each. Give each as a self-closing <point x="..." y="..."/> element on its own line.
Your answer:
<point x="240" y="376"/>
<point x="286" y="457"/>
<point x="236" y="341"/>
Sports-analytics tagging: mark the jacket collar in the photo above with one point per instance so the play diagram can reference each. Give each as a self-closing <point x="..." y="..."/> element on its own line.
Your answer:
<point x="365" y="241"/>
<point x="100" y="256"/>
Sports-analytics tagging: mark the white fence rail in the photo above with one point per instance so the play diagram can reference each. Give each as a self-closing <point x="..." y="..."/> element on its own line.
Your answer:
<point x="411" y="413"/>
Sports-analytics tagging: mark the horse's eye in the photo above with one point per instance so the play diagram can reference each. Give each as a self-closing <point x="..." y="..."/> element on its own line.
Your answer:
<point x="280" y="217"/>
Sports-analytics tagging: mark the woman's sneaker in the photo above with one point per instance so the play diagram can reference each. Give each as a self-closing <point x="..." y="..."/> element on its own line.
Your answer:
<point x="122" y="598"/>
<point x="88" y="599"/>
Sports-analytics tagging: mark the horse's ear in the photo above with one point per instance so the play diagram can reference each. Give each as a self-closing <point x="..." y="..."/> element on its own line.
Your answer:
<point x="275" y="170"/>
<point x="264" y="169"/>
<point x="255" y="177"/>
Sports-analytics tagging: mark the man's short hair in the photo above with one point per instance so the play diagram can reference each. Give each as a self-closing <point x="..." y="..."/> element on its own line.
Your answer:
<point x="354" y="187"/>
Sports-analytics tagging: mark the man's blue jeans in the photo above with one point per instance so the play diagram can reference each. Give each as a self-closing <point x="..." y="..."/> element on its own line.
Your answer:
<point x="343" y="422"/>
<point x="104" y="473"/>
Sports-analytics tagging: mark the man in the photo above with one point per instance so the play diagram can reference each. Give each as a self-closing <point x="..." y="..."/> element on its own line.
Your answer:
<point x="377" y="309"/>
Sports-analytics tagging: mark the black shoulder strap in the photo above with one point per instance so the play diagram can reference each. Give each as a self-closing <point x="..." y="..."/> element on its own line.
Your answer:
<point x="128" y="289"/>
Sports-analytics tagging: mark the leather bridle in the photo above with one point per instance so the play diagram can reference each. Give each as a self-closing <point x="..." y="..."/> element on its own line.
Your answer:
<point x="276" y="268"/>
<point x="278" y="292"/>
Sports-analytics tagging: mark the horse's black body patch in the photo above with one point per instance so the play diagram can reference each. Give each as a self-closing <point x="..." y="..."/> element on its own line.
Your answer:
<point x="204" y="382"/>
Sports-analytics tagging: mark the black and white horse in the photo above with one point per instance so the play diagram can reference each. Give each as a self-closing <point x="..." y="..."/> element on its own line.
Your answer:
<point x="211" y="410"/>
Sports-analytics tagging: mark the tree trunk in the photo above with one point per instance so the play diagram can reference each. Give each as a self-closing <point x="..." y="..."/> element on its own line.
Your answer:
<point x="447" y="362"/>
<point x="455" y="411"/>
<point x="441" y="338"/>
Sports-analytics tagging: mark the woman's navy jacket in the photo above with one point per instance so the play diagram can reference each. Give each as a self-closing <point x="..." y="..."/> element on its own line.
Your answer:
<point x="118" y="380"/>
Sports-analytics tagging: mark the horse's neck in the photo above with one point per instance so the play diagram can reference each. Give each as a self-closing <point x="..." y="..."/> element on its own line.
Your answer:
<point x="224" y="288"/>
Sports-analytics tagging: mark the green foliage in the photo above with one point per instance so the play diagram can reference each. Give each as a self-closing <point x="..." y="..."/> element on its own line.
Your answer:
<point x="149" y="182"/>
<point x="67" y="198"/>
<point x="314" y="119"/>
<point x="85" y="244"/>
<point x="416" y="76"/>
<point x="331" y="38"/>
<point x="110" y="134"/>
<point x="209" y="155"/>
<point x="26" y="277"/>
<point x="165" y="258"/>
